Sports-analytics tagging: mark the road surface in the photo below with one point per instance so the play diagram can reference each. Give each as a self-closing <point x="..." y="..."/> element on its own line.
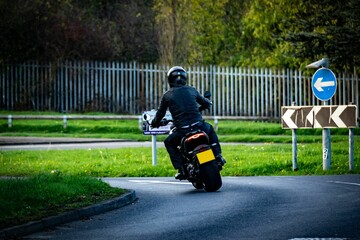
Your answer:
<point x="290" y="207"/>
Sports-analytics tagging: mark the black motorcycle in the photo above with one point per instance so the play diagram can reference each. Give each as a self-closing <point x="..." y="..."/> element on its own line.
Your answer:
<point x="201" y="167"/>
<point x="199" y="160"/>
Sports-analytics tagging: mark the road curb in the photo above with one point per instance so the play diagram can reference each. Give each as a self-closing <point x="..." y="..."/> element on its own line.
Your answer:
<point x="36" y="226"/>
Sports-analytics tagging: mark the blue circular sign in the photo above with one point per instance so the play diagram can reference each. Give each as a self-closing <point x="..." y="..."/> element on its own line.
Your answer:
<point x="323" y="84"/>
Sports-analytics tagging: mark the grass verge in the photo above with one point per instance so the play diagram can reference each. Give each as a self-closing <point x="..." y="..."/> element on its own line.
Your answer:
<point x="228" y="131"/>
<point x="27" y="199"/>
<point x="243" y="160"/>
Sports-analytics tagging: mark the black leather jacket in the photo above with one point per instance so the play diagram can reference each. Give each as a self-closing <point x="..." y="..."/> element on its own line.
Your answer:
<point x="183" y="103"/>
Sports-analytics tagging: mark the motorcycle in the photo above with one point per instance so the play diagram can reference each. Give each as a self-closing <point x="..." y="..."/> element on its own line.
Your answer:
<point x="201" y="167"/>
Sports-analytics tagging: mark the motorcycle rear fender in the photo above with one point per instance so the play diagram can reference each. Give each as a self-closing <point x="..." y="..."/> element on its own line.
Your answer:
<point x="193" y="139"/>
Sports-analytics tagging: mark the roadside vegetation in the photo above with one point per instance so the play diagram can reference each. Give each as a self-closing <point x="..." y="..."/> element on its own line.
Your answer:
<point x="59" y="180"/>
<point x="27" y="199"/>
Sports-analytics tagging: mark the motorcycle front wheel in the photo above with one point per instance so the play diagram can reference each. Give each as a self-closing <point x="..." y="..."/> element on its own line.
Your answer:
<point x="211" y="177"/>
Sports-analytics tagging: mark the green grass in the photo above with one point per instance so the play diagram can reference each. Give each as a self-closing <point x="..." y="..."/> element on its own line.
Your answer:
<point x="243" y="160"/>
<point x="27" y="199"/>
<point x="228" y="131"/>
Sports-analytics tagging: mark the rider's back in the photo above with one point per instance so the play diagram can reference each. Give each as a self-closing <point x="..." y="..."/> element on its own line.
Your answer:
<point x="183" y="105"/>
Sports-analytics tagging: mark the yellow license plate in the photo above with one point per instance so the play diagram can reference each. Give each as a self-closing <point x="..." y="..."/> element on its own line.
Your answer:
<point x="205" y="156"/>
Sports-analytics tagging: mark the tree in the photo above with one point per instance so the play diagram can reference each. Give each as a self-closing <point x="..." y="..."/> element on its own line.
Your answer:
<point x="173" y="30"/>
<point x="327" y="29"/>
<point x="79" y="29"/>
<point x="207" y="18"/>
<point x="259" y="33"/>
<point x="279" y="33"/>
<point x="262" y="43"/>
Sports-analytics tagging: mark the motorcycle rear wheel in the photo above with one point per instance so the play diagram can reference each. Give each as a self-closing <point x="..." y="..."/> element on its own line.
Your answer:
<point x="211" y="176"/>
<point x="198" y="184"/>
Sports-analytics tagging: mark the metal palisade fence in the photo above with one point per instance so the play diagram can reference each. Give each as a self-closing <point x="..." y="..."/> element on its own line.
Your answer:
<point x="131" y="88"/>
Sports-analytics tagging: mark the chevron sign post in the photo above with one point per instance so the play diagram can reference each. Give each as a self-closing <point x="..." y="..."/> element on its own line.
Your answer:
<point x="329" y="116"/>
<point x="325" y="117"/>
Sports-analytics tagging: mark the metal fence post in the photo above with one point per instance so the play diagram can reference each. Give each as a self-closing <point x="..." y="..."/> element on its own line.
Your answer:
<point x="98" y="86"/>
<point x="216" y="123"/>
<point x="64" y="121"/>
<point x="9" y="121"/>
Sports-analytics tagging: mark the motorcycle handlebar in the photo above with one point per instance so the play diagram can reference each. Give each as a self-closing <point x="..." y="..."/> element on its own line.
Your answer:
<point x="207" y="94"/>
<point x="165" y="122"/>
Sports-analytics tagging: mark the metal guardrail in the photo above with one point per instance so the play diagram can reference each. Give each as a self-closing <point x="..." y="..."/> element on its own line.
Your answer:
<point x="73" y="117"/>
<point x="65" y="118"/>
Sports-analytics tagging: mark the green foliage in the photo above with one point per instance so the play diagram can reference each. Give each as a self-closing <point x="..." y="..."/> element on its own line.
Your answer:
<point x="174" y="30"/>
<point x="208" y="39"/>
<point x="326" y="28"/>
<point x="258" y="33"/>
<point x="99" y="30"/>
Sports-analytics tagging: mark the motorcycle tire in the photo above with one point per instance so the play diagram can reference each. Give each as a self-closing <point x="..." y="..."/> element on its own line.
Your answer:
<point x="198" y="184"/>
<point x="211" y="176"/>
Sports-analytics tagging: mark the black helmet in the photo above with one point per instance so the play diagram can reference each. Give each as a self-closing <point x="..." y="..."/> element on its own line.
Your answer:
<point x="176" y="76"/>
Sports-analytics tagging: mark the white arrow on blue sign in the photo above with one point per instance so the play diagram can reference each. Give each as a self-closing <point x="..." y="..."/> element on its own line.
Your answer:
<point x="323" y="84"/>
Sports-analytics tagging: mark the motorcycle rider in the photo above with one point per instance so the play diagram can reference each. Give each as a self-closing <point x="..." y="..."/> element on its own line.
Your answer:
<point x="183" y="102"/>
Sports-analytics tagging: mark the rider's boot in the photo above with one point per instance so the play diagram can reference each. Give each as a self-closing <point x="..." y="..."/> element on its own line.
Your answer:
<point x="181" y="175"/>
<point x="220" y="161"/>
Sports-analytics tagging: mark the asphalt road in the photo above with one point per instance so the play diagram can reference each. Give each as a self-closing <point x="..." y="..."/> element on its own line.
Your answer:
<point x="304" y="207"/>
<point x="43" y="143"/>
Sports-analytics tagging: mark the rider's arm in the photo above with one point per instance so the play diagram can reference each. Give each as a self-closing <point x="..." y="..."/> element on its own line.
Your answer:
<point x="204" y="102"/>
<point x="160" y="112"/>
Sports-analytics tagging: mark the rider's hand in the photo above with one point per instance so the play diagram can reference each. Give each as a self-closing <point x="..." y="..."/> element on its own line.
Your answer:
<point x="201" y="108"/>
<point x="154" y="125"/>
<point x="163" y="122"/>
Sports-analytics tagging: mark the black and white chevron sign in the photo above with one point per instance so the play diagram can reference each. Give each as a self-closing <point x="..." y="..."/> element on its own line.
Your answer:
<point x="332" y="116"/>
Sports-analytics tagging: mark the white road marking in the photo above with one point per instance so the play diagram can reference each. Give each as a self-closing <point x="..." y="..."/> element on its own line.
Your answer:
<point x="317" y="239"/>
<point x="158" y="182"/>
<point x="347" y="183"/>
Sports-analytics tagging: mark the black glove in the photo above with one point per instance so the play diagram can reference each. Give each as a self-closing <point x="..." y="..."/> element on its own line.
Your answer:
<point x="201" y="108"/>
<point x="163" y="122"/>
<point x="153" y="124"/>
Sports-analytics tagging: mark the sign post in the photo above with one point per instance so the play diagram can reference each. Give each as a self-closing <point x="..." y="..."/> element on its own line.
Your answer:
<point x="294" y="148"/>
<point x="327" y="116"/>
<point x="351" y="149"/>
<point x="323" y="85"/>
<point x="147" y="117"/>
<point x="153" y="148"/>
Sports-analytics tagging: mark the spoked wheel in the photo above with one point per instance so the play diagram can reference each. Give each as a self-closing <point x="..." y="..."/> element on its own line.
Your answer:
<point x="198" y="184"/>
<point x="211" y="176"/>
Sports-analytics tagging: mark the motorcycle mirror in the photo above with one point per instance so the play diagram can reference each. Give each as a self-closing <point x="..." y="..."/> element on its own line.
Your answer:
<point x="146" y="117"/>
<point x="207" y="94"/>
